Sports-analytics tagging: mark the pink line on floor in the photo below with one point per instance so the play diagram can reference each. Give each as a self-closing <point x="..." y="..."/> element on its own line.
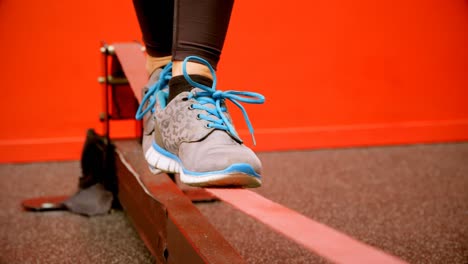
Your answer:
<point x="319" y="238"/>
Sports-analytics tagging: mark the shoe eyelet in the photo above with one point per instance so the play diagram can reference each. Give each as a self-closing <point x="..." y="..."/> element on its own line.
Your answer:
<point x="185" y="99"/>
<point x="198" y="117"/>
<point x="207" y="125"/>
<point x="190" y="107"/>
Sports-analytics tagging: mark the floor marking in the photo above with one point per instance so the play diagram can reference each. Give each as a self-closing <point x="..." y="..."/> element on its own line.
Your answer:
<point x="319" y="238"/>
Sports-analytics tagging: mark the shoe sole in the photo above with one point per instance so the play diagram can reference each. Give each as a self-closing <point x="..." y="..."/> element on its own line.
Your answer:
<point x="234" y="180"/>
<point x="234" y="176"/>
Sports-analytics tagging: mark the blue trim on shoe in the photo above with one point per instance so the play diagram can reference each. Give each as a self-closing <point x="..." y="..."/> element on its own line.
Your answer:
<point x="234" y="168"/>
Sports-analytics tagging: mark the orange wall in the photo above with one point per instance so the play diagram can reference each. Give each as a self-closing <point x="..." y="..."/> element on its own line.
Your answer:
<point x="335" y="73"/>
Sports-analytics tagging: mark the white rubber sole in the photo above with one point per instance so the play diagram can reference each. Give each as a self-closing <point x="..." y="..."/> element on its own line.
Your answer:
<point x="161" y="163"/>
<point x="222" y="180"/>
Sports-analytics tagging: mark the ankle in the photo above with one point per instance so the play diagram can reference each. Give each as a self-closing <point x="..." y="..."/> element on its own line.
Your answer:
<point x="179" y="84"/>
<point x="192" y="68"/>
<point x="153" y="63"/>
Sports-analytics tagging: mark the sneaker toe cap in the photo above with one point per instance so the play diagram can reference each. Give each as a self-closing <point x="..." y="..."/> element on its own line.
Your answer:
<point x="215" y="155"/>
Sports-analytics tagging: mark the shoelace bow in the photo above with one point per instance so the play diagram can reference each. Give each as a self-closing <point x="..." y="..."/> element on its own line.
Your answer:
<point x="164" y="77"/>
<point x="212" y="96"/>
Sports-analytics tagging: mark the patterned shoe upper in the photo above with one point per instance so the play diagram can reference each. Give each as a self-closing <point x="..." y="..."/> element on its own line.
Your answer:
<point x="192" y="117"/>
<point x="179" y="121"/>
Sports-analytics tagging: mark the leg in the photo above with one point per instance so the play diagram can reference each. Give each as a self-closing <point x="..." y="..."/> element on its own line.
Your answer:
<point x="156" y="24"/>
<point x="192" y="133"/>
<point x="201" y="30"/>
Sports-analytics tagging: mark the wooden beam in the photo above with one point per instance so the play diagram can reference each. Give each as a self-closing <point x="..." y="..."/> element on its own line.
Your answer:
<point x="172" y="228"/>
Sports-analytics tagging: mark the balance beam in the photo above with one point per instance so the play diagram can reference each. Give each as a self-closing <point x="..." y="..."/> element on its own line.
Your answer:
<point x="176" y="232"/>
<point x="172" y="228"/>
<point x="170" y="225"/>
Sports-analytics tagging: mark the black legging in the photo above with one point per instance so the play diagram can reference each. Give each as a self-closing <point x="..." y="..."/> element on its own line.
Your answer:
<point x="184" y="27"/>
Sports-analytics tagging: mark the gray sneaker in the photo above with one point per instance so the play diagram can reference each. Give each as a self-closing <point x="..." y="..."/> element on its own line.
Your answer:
<point x="193" y="135"/>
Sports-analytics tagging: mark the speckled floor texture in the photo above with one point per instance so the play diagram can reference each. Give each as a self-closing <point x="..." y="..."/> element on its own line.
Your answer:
<point x="59" y="237"/>
<point x="410" y="201"/>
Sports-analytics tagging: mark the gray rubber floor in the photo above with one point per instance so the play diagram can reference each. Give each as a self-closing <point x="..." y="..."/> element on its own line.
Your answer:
<point x="59" y="237"/>
<point x="410" y="201"/>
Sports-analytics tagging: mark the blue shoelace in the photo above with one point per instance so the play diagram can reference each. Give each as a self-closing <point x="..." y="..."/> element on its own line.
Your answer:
<point x="212" y="96"/>
<point x="164" y="77"/>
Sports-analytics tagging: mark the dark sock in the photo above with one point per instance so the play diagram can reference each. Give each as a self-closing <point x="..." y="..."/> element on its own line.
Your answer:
<point x="179" y="84"/>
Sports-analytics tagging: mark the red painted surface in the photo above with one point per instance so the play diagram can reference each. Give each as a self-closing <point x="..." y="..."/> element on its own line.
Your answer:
<point x="134" y="68"/>
<point x="314" y="236"/>
<point x="335" y="73"/>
